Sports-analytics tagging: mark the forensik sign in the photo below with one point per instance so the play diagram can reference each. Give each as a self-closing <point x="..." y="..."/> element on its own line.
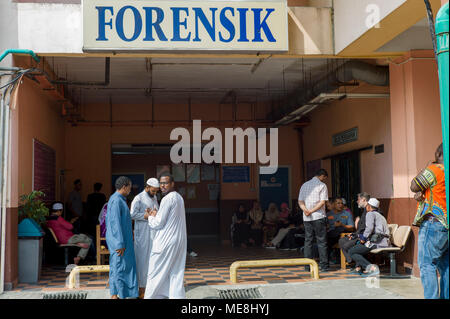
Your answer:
<point x="145" y="25"/>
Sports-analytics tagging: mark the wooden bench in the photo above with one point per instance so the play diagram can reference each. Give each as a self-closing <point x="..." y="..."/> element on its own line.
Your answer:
<point x="100" y="249"/>
<point x="314" y="268"/>
<point x="65" y="247"/>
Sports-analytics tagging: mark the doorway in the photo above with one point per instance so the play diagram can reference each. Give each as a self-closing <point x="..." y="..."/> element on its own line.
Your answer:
<point x="346" y="178"/>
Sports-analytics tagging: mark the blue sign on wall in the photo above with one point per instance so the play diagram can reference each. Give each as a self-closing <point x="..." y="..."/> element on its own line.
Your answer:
<point x="235" y="174"/>
<point x="274" y="188"/>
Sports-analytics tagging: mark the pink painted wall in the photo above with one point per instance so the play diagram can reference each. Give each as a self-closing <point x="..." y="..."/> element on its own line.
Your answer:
<point x="39" y="118"/>
<point x="415" y="109"/>
<point x="372" y="117"/>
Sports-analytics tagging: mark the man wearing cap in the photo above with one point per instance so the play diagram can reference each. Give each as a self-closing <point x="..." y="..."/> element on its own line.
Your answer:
<point x="64" y="232"/>
<point x="142" y="205"/>
<point x="375" y="235"/>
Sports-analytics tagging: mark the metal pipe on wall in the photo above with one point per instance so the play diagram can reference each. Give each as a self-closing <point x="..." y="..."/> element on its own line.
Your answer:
<point x="5" y="114"/>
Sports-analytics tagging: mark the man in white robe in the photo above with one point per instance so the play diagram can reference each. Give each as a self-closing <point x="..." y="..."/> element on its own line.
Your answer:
<point x="168" y="255"/>
<point x="143" y="234"/>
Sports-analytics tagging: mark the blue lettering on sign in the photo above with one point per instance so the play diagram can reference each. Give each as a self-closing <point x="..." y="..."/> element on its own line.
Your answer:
<point x="209" y="27"/>
<point x="229" y="21"/>
<point x="227" y="24"/>
<point x="177" y="23"/>
<point x="243" y="24"/>
<point x="150" y="24"/>
<point x="102" y="23"/>
<point x="137" y="23"/>
<point x="263" y="25"/>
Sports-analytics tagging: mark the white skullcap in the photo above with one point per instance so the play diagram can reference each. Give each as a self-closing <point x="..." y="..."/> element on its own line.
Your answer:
<point x="153" y="182"/>
<point x="374" y="202"/>
<point x="57" y="206"/>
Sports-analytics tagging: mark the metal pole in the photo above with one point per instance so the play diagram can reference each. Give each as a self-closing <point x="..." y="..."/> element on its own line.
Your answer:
<point x="2" y="211"/>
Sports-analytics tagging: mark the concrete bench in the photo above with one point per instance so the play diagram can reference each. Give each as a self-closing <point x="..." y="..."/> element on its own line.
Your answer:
<point x="314" y="268"/>
<point x="84" y="269"/>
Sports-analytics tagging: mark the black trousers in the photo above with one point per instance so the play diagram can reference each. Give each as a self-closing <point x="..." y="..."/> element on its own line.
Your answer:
<point x="358" y="252"/>
<point x="345" y="244"/>
<point x="333" y="236"/>
<point x="317" y="229"/>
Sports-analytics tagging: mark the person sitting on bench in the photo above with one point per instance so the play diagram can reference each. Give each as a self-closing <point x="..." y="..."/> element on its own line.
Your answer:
<point x="64" y="232"/>
<point x="375" y="235"/>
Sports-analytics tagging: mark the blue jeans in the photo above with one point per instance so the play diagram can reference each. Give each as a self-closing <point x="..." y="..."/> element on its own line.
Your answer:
<point x="433" y="255"/>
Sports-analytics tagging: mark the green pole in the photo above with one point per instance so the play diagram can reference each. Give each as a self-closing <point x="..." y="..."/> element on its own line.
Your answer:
<point x="442" y="30"/>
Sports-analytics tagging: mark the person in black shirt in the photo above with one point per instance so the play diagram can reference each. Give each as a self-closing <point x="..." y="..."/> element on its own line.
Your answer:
<point x="95" y="202"/>
<point x="350" y="240"/>
<point x="241" y="227"/>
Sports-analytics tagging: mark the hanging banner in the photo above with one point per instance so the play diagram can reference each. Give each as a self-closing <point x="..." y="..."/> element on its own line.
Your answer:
<point x="143" y="25"/>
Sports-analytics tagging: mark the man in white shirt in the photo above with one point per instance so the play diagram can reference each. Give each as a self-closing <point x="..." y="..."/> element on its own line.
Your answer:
<point x="143" y="234"/>
<point x="311" y="199"/>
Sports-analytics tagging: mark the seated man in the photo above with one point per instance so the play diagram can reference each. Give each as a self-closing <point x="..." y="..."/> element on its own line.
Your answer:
<point x="285" y="238"/>
<point x="63" y="231"/>
<point x="375" y="235"/>
<point x="339" y="221"/>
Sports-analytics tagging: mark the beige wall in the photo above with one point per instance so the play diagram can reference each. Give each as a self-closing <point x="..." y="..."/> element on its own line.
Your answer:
<point x="88" y="153"/>
<point x="372" y="117"/>
<point x="88" y="146"/>
<point x="39" y="118"/>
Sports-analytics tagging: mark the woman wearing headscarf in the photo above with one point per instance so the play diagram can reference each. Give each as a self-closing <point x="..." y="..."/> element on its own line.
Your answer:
<point x="256" y="217"/>
<point x="271" y="220"/>
<point x="241" y="227"/>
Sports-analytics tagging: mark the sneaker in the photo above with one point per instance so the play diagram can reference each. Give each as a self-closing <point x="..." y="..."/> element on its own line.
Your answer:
<point x="324" y="269"/>
<point x="372" y="273"/>
<point x="193" y="254"/>
<point x="355" y="272"/>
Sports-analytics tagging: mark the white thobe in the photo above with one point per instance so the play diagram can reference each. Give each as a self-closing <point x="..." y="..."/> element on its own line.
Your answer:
<point x="168" y="255"/>
<point x="143" y="234"/>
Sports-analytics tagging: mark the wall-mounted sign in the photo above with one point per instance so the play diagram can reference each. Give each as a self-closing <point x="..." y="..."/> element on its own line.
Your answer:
<point x="118" y="25"/>
<point x="345" y="137"/>
<point x="236" y="174"/>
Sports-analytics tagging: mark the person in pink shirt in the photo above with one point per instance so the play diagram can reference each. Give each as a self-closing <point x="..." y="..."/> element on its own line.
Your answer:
<point x="64" y="232"/>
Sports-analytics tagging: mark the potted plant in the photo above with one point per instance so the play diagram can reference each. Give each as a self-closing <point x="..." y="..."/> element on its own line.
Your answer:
<point x="33" y="207"/>
<point x="32" y="213"/>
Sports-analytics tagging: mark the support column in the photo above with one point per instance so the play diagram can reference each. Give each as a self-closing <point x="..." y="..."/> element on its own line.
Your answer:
<point x="416" y="133"/>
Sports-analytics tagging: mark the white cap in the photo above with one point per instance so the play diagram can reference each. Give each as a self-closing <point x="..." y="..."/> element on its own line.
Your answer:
<point x="57" y="206"/>
<point x="374" y="202"/>
<point x="153" y="182"/>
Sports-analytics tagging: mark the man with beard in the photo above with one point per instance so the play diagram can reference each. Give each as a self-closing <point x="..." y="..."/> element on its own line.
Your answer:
<point x="143" y="234"/>
<point x="350" y="240"/>
<point x="168" y="255"/>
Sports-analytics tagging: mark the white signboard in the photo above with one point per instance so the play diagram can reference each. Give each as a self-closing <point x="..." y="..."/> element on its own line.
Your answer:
<point x="145" y="25"/>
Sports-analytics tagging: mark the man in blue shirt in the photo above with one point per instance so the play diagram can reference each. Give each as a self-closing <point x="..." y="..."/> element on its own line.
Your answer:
<point x="339" y="221"/>
<point x="119" y="237"/>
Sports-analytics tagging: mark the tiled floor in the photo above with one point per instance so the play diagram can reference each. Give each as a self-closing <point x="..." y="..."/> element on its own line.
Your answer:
<point x="211" y="267"/>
